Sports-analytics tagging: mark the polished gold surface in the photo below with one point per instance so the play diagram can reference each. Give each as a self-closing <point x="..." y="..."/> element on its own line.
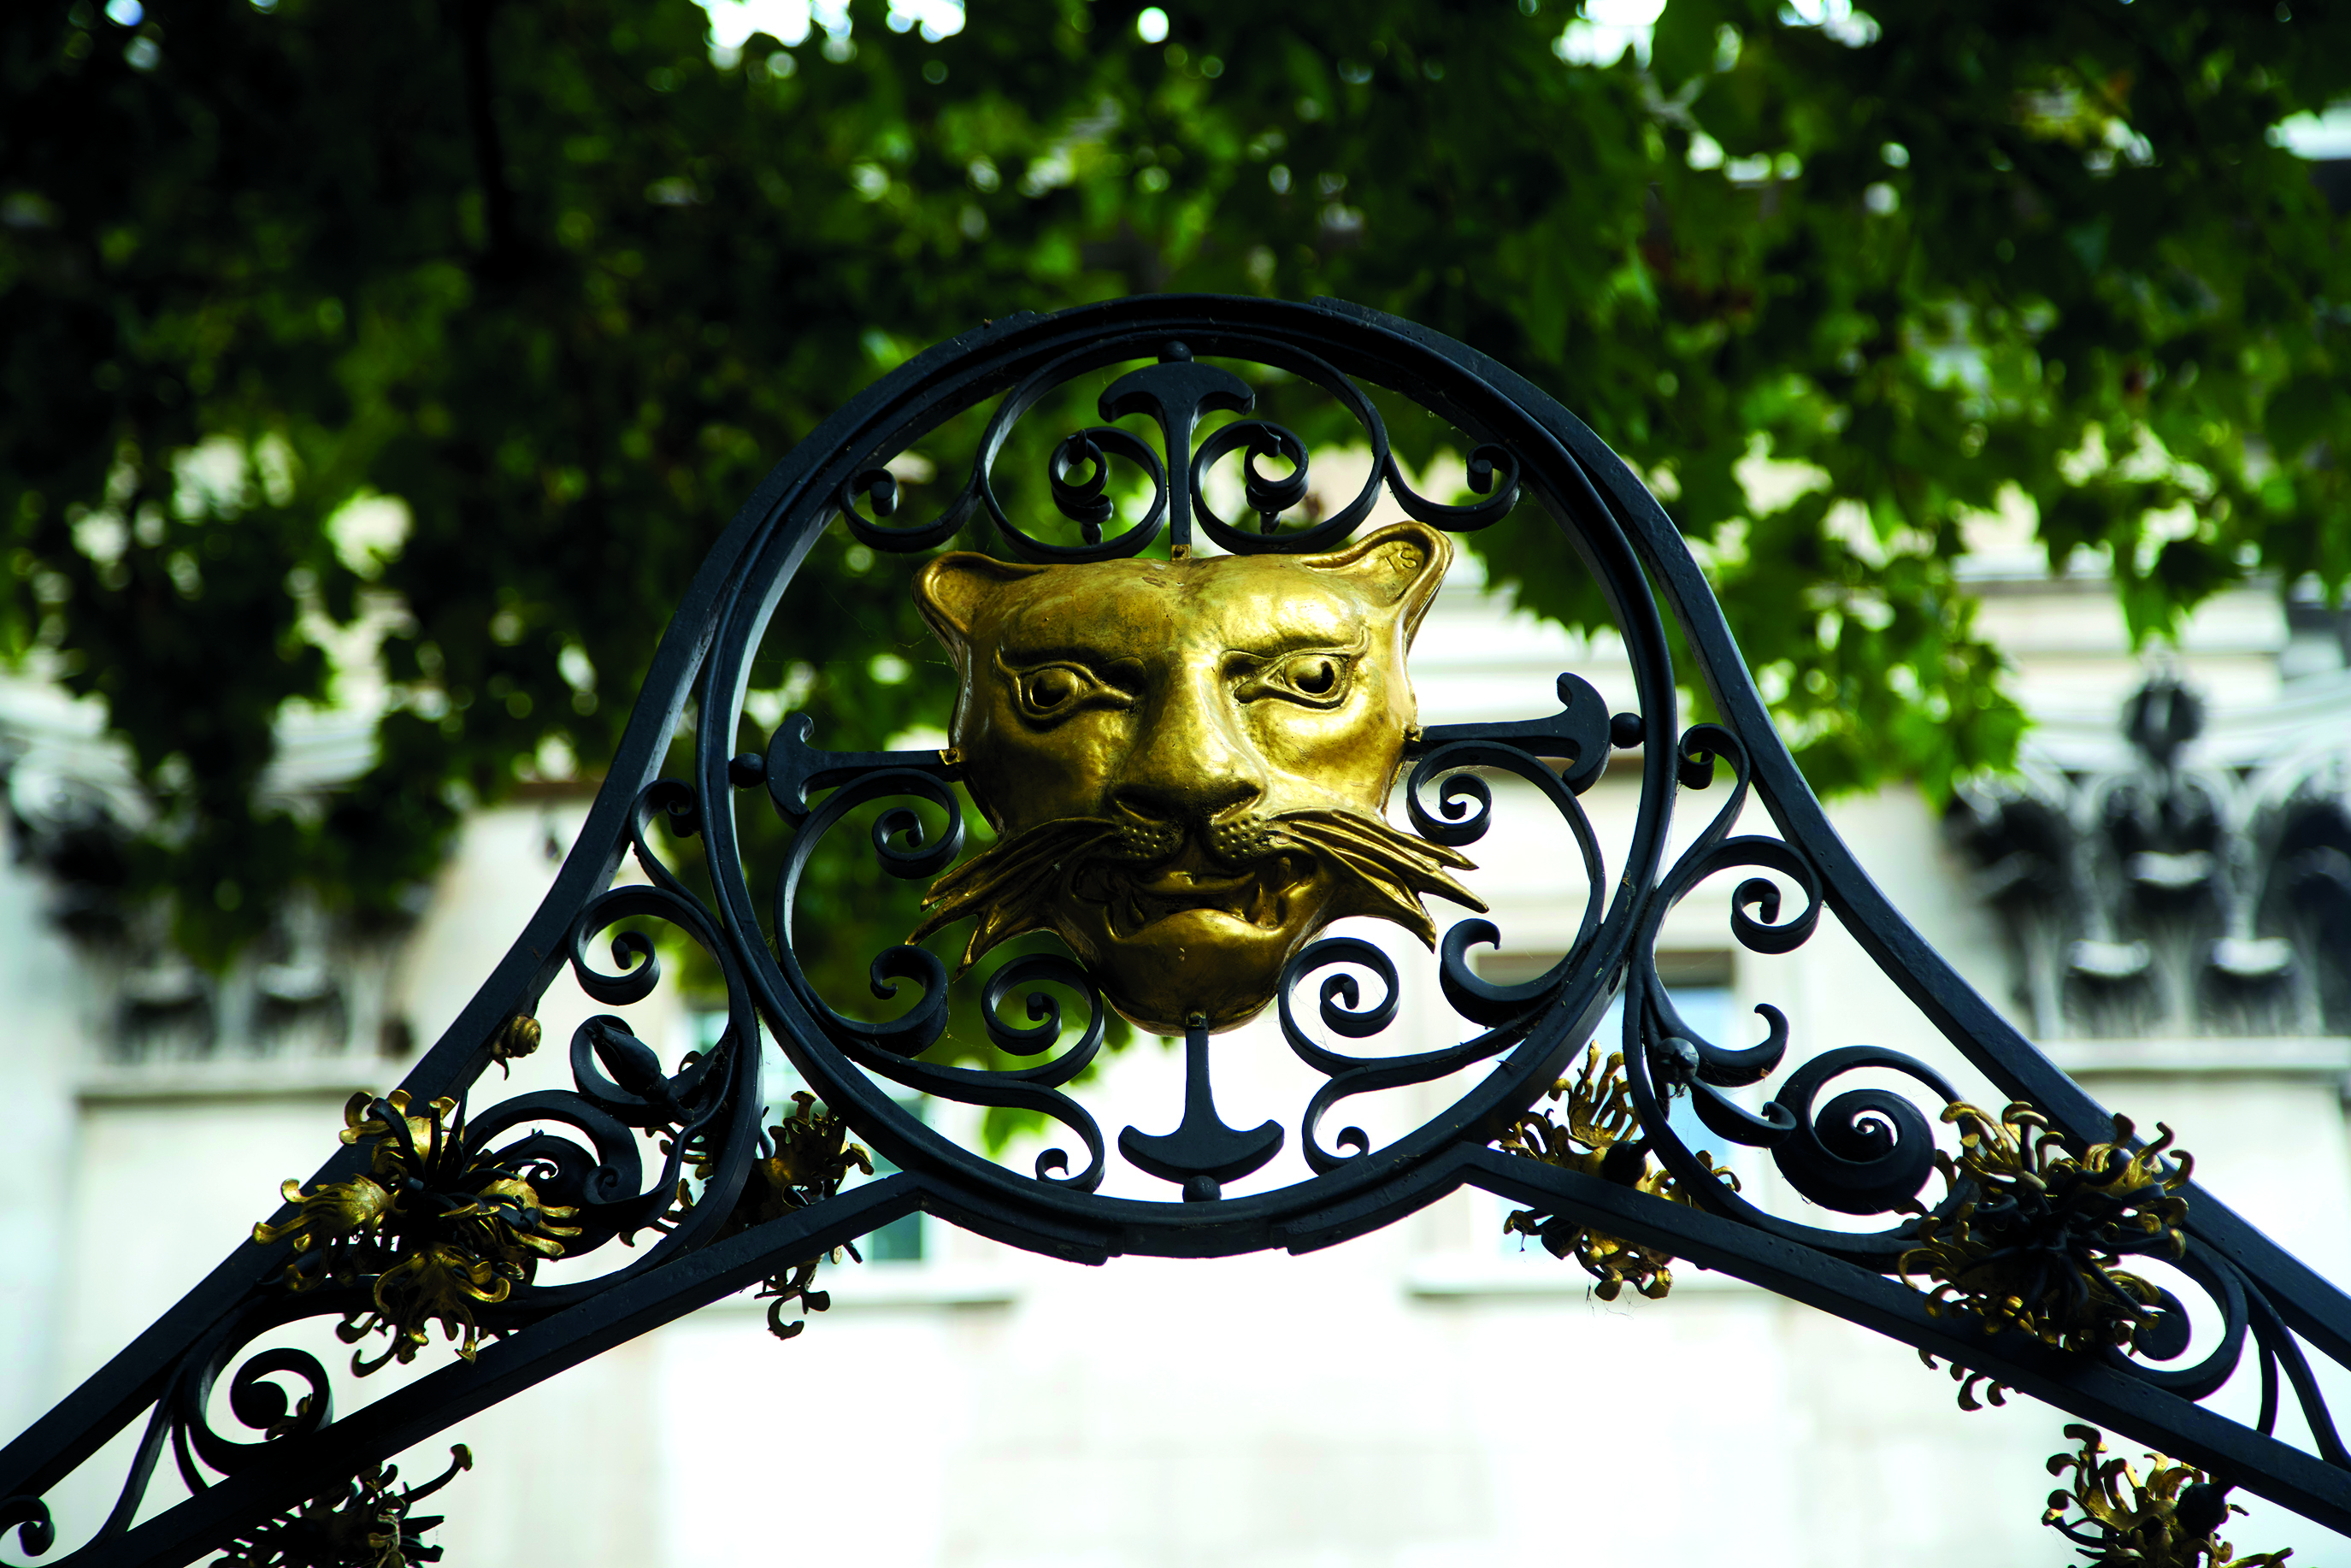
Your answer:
<point x="1599" y="1135"/>
<point x="1187" y="760"/>
<point x="2121" y="1522"/>
<point x="2035" y="1248"/>
<point x="433" y="1231"/>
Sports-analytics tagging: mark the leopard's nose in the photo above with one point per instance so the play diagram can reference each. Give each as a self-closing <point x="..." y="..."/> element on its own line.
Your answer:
<point x="1192" y="766"/>
<point x="1197" y="801"/>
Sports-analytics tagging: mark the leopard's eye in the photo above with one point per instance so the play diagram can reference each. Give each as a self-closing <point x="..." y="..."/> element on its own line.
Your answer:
<point x="1318" y="678"/>
<point x="1051" y="693"/>
<point x="1049" y="687"/>
<point x="1317" y="674"/>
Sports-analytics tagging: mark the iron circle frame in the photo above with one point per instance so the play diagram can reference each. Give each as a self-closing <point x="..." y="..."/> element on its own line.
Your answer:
<point x="1310" y="340"/>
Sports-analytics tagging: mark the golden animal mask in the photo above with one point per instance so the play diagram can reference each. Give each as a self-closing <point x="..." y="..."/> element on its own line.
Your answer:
<point x="1187" y="760"/>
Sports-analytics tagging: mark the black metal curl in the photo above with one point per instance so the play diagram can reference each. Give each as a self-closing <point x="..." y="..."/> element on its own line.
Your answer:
<point x="1869" y="1151"/>
<point x="1658" y="1042"/>
<point x="1452" y="824"/>
<point x="1768" y="933"/>
<point x="1103" y="439"/>
<point x="919" y="1028"/>
<point x="1341" y="1011"/>
<point x="1087" y="503"/>
<point x="637" y="964"/>
<point x="1023" y="1088"/>
<point x="667" y="899"/>
<point x="881" y="486"/>
<point x="260" y="1405"/>
<point x="632" y="955"/>
<point x="1044" y="1011"/>
<point x="912" y="1032"/>
<point x="29" y="1518"/>
<point x="1685" y="1057"/>
<point x="1480" y="1000"/>
<point x="2168" y="1334"/>
<point x="1712" y="853"/>
<point x="1493" y="474"/>
<point x="559" y="1168"/>
<point x="257" y="1403"/>
<point x="676" y="802"/>
<point x="917" y="859"/>
<point x="1271" y="497"/>
<point x="1709" y="1064"/>
<point x="680" y="808"/>
<point x="1341" y="1008"/>
<point x="1034" y="1088"/>
<point x="1267" y="498"/>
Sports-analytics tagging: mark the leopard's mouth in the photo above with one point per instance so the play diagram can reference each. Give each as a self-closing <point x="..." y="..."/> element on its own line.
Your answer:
<point x="1260" y="894"/>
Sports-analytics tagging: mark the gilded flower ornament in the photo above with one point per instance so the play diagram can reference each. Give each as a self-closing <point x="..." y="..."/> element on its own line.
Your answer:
<point x="1598" y="1134"/>
<point x="811" y="1158"/>
<point x="2169" y="1520"/>
<point x="2036" y="1240"/>
<point x="434" y="1230"/>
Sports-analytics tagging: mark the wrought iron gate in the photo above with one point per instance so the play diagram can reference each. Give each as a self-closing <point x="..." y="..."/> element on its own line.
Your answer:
<point x="446" y="1199"/>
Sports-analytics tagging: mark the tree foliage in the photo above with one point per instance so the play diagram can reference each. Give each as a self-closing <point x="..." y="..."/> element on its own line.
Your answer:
<point x="565" y="281"/>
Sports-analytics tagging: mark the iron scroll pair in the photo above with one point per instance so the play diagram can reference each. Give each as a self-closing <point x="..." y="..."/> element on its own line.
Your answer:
<point x="563" y="1173"/>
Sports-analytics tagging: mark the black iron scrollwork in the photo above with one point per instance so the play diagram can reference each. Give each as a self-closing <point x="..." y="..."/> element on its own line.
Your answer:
<point x="1176" y="394"/>
<point x="879" y="488"/>
<point x="1492" y="472"/>
<point x="892" y="1048"/>
<point x="668" y="1159"/>
<point x="1341" y="1011"/>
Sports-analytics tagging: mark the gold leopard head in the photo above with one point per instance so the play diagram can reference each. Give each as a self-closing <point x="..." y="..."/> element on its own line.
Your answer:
<point x="1187" y="761"/>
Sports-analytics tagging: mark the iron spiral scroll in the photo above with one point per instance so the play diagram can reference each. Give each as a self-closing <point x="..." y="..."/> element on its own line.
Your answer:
<point x="604" y="1160"/>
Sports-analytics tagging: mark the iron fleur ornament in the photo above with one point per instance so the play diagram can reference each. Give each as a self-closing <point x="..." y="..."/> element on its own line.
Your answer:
<point x="1185" y="729"/>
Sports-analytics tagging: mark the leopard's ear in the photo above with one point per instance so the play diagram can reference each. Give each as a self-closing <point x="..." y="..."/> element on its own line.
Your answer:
<point x="951" y="589"/>
<point x="1399" y="566"/>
